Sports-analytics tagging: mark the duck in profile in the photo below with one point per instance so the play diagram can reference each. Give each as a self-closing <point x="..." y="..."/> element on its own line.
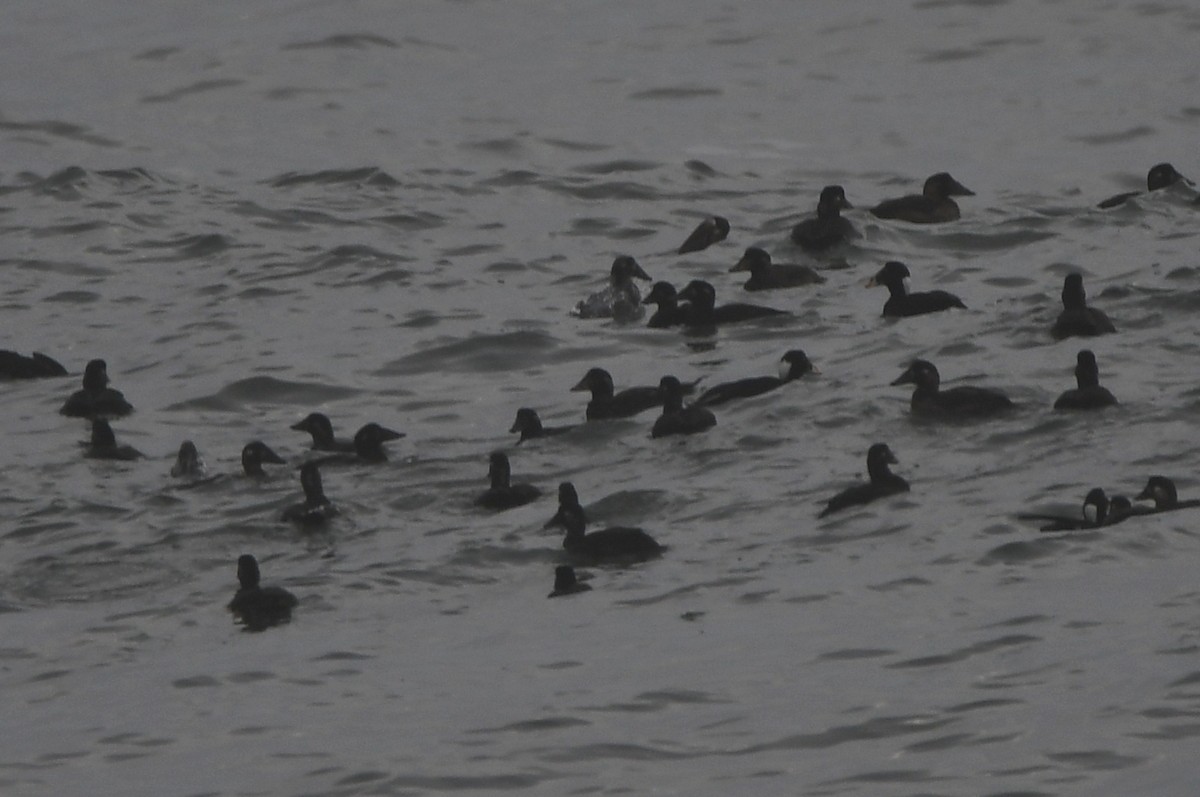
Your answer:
<point x="795" y="364"/>
<point x="705" y="313"/>
<point x="932" y="206"/>
<point x="254" y="455"/>
<point x="319" y="426"/>
<point x="96" y="399"/>
<point x="315" y="509"/>
<point x="103" y="444"/>
<point x="530" y="426"/>
<point x="1088" y="394"/>
<point x="621" y="300"/>
<point x="766" y="276"/>
<point x="928" y="399"/>
<point x="615" y="545"/>
<point x="1094" y="514"/>
<point x="502" y="494"/>
<point x="895" y="277"/>
<point x="670" y="312"/>
<point x="255" y="606"/>
<point x="188" y="463"/>
<point x="676" y="418"/>
<point x="565" y="582"/>
<point x="1160" y="175"/>
<point x="607" y="404"/>
<point x="1161" y="490"/>
<point x="712" y="230"/>
<point x="34" y="366"/>
<point x="827" y="229"/>
<point x="1076" y="318"/>
<point x="367" y="447"/>
<point x="882" y="482"/>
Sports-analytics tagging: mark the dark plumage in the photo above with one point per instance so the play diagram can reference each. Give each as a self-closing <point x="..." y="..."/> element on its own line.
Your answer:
<point x="621" y="299"/>
<point x="35" y="366"/>
<point x="369" y="440"/>
<point x="315" y="509"/>
<point x="1076" y="318"/>
<point x="931" y="206"/>
<point x="894" y="275"/>
<point x="318" y="425"/>
<point x="765" y="275"/>
<point x="103" y="444"/>
<point x="616" y="544"/>
<point x="1160" y="175"/>
<point x="705" y="313"/>
<point x="565" y="582"/>
<point x="882" y="482"/>
<point x="257" y="607"/>
<point x="958" y="402"/>
<point x="607" y="404"/>
<point x="530" y="426"/>
<point x="676" y="418"/>
<point x="1088" y="394"/>
<point x="1162" y="491"/>
<point x="795" y="364"/>
<point x="254" y="454"/>
<point x="187" y="462"/>
<point x="828" y="229"/>
<point x="96" y="399"/>
<point x="669" y="313"/>
<point x="502" y="494"/>
<point x="710" y="231"/>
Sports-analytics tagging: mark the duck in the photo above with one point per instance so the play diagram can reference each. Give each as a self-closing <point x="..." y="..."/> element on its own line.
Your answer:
<point x="670" y="312"/>
<point x="502" y="494"/>
<point x="705" y="313"/>
<point x="367" y="447"/>
<point x="827" y="229"/>
<point x="315" y="509"/>
<point x="565" y="582"/>
<point x="1160" y="175"/>
<point x="606" y="404"/>
<point x="188" y="462"/>
<point x="254" y="454"/>
<point x="792" y="366"/>
<point x="103" y="444"/>
<point x="932" y="206"/>
<point x="1088" y="394"/>
<point x="1161" y="490"/>
<point x="766" y="276"/>
<point x="676" y="418"/>
<point x="900" y="304"/>
<point x="1094" y="514"/>
<point x="255" y="606"/>
<point x="33" y="366"/>
<point x="319" y="426"/>
<point x="620" y="300"/>
<point x="618" y="544"/>
<point x="530" y="426"/>
<point x="96" y="399"/>
<point x="882" y="482"/>
<point x="958" y="402"/>
<point x="712" y="230"/>
<point x="1076" y="318"/>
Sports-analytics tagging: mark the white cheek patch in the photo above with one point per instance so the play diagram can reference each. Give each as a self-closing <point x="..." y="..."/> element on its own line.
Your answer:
<point x="907" y="285"/>
<point x="784" y="368"/>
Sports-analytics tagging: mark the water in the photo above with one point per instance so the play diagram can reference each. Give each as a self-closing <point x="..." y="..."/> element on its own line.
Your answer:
<point x="385" y="213"/>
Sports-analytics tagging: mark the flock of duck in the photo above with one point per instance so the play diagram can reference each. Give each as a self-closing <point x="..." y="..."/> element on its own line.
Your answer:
<point x="694" y="308"/>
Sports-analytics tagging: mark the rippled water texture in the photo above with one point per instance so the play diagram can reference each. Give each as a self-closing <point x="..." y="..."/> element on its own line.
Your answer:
<point x="385" y="212"/>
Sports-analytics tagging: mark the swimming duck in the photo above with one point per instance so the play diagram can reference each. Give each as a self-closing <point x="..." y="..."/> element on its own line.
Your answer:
<point x="257" y="607"/>
<point x="882" y="482"/>
<point x="503" y="494"/>
<point x="828" y="229"/>
<point x="606" y="404"/>
<point x="254" y="454"/>
<point x="705" y="313"/>
<point x="565" y="582"/>
<point x="103" y="444"/>
<point x="530" y="426"/>
<point x="621" y="300"/>
<point x="765" y="275"/>
<point x="96" y="399"/>
<point x="1093" y="515"/>
<point x="958" y="402"/>
<point x="1088" y="395"/>
<point x="712" y="230"/>
<point x="35" y="366"/>
<point x="317" y="424"/>
<point x="931" y="206"/>
<point x="1076" y="318"/>
<point x="676" y="418"/>
<point x="795" y="364"/>
<point x="1162" y="491"/>
<point x="367" y="446"/>
<point x="894" y="275"/>
<point x="669" y="313"/>
<point x="1160" y="175"/>
<point x="188" y="462"/>
<point x="616" y="544"/>
<point x="316" y="509"/>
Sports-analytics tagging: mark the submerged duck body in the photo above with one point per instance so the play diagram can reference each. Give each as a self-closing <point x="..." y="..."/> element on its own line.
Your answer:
<point x="901" y="304"/>
<point x="502" y="494"/>
<point x="1162" y="491"/>
<point x="1088" y="394"/>
<point x="96" y="399"/>
<point x="254" y="455"/>
<point x="319" y="426"/>
<point x="565" y="582"/>
<point x="33" y="366"/>
<point x="712" y="230"/>
<point x="530" y="426"/>
<point x="930" y="400"/>
<point x="706" y="313"/>
<point x="670" y="312"/>
<point x="315" y="509"/>
<point x="103" y="444"/>
<point x="620" y="300"/>
<point x="792" y="366"/>
<point x="882" y="482"/>
<point x="676" y="418"/>
<point x="1094" y="514"/>
<point x="828" y="229"/>
<point x="766" y="276"/>
<point x="1076" y="318"/>
<point x="618" y="544"/>
<point x="1160" y="175"/>
<point x="932" y="206"/>
<point x="258" y="607"/>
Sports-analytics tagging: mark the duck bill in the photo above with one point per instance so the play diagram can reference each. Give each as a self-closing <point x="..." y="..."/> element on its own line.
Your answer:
<point x="958" y="189"/>
<point x="299" y="426"/>
<point x="581" y="386"/>
<point x="873" y="282"/>
<point x="269" y="455"/>
<point x="905" y="378"/>
<point x="386" y="434"/>
<point x="741" y="265"/>
<point x="640" y="272"/>
<point x="557" y="520"/>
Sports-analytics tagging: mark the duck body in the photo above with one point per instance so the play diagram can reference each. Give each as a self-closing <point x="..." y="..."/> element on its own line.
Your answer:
<point x="96" y="399"/>
<point x="530" y="426"/>
<point x="319" y="426"/>
<point x="827" y="229"/>
<point x="1076" y="318"/>
<point x="712" y="230"/>
<point x="1160" y="175"/>
<point x="795" y="363"/>
<point x="676" y="418"/>
<point x="502" y="494"/>
<point x="705" y="312"/>
<point x="900" y="304"/>
<point x="33" y="366"/>
<point x="1162" y="491"/>
<point x="619" y="544"/>
<point x="882" y="482"/>
<point x="1088" y="393"/>
<point x="620" y="300"/>
<point x="930" y="400"/>
<point x="258" y="607"/>
<point x="670" y="312"/>
<point x="606" y="404"/>
<point x="103" y="444"/>
<point x="932" y="206"/>
<point x="366" y="447"/>
<point x="315" y="509"/>
<point x="1094" y="514"/>
<point x="766" y="276"/>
